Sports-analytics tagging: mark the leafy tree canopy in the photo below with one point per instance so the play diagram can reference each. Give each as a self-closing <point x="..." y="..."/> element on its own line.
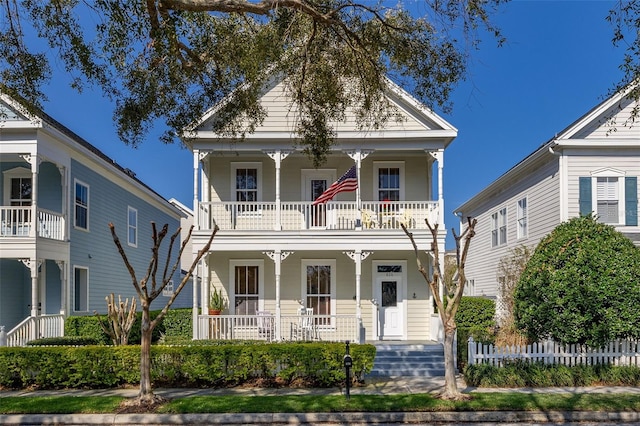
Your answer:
<point x="581" y="285"/>
<point x="625" y="18"/>
<point x="172" y="60"/>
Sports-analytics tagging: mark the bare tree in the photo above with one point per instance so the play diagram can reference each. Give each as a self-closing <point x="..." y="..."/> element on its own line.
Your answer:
<point x="120" y="319"/>
<point x="149" y="288"/>
<point x="447" y="311"/>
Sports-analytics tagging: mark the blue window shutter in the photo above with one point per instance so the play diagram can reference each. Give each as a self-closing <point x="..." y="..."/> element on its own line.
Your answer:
<point x="585" y="196"/>
<point x="631" y="200"/>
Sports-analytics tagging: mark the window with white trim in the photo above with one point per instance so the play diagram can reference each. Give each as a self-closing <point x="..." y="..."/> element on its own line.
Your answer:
<point x="522" y="218"/>
<point x="246" y="185"/>
<point x="247" y="287"/>
<point x="167" y="291"/>
<point x="319" y="288"/>
<point x="499" y="227"/>
<point x="17" y="187"/>
<point x="389" y="180"/>
<point x="81" y="202"/>
<point x="132" y="226"/>
<point x="80" y="289"/>
<point x="608" y="199"/>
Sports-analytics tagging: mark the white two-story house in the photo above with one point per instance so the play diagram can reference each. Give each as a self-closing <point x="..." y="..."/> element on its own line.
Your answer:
<point x="340" y="270"/>
<point x="591" y="167"/>
<point x="58" y="194"/>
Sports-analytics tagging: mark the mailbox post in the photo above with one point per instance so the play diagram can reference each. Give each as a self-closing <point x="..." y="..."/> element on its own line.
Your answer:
<point x="348" y="363"/>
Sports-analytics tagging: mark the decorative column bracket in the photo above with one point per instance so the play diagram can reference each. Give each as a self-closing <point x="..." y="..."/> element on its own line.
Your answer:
<point x="360" y="154"/>
<point x="353" y="255"/>
<point x="278" y="155"/>
<point x="273" y="255"/>
<point x="29" y="263"/>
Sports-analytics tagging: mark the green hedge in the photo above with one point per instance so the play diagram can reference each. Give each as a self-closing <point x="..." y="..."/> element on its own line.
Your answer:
<point x="177" y="323"/>
<point x="475" y="318"/>
<point x="199" y="365"/>
<point x="536" y="374"/>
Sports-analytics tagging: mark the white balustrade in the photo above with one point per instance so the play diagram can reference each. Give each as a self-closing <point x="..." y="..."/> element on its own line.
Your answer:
<point x="303" y="215"/>
<point x="35" y="328"/>
<point x="17" y="222"/>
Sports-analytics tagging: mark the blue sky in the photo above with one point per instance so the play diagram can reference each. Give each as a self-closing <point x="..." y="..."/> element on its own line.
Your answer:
<point x="558" y="62"/>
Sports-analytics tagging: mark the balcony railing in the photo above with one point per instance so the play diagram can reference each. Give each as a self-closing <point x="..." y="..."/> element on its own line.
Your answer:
<point x="35" y="328"/>
<point x="303" y="215"/>
<point x="330" y="328"/>
<point x="17" y="222"/>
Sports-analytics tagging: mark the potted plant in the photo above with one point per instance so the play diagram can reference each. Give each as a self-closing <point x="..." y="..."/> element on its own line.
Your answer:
<point x="217" y="302"/>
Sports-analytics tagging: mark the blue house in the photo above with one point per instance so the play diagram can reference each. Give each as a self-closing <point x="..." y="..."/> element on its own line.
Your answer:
<point x="58" y="194"/>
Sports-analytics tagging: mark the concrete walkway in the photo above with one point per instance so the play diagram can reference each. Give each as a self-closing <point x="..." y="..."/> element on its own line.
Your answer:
<point x="374" y="386"/>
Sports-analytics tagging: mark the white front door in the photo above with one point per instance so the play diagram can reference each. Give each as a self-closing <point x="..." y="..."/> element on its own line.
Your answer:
<point x="390" y="307"/>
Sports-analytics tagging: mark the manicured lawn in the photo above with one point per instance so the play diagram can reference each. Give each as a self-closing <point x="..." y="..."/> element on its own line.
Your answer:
<point x="331" y="403"/>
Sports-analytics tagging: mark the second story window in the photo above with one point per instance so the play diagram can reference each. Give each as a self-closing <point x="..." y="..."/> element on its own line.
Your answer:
<point x="389" y="184"/>
<point x="81" y="206"/>
<point x="132" y="224"/>
<point x="522" y="218"/>
<point x="499" y="228"/>
<point x="20" y="191"/>
<point x="607" y="195"/>
<point x="246" y="185"/>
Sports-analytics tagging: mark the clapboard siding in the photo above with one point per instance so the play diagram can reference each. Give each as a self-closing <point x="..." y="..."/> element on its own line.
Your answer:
<point x="585" y="164"/>
<point x="94" y="249"/>
<point x="541" y="189"/>
<point x="620" y="127"/>
<point x="283" y="116"/>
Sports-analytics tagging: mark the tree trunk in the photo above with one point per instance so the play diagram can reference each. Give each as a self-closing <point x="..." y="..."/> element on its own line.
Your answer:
<point x="450" y="385"/>
<point x="146" y="393"/>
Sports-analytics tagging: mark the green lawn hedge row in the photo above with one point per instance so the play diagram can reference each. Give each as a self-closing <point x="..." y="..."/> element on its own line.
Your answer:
<point x="177" y="323"/>
<point x="317" y="364"/>
<point x="537" y="374"/>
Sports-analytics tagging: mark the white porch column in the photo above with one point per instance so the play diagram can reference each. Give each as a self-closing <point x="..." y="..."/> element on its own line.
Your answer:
<point x="278" y="257"/>
<point x="439" y="157"/>
<point x="194" y="302"/>
<point x="34" y="161"/>
<point x="196" y="169"/>
<point x="33" y="265"/>
<point x="277" y="156"/>
<point x="63" y="286"/>
<point x="358" y="156"/>
<point x="358" y="256"/>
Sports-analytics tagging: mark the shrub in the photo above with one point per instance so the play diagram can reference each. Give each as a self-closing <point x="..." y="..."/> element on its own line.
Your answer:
<point x="64" y="341"/>
<point x="536" y="374"/>
<point x="580" y="286"/>
<point x="207" y="364"/>
<point x="475" y="318"/>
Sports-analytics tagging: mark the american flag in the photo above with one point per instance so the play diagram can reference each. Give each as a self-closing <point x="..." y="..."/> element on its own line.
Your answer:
<point x="348" y="182"/>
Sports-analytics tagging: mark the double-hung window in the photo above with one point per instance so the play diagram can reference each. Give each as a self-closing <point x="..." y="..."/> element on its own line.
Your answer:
<point x="81" y="205"/>
<point x="245" y="189"/>
<point x="319" y="288"/>
<point x="132" y="225"/>
<point x="499" y="227"/>
<point x="522" y="218"/>
<point x="608" y="197"/>
<point x="247" y="287"/>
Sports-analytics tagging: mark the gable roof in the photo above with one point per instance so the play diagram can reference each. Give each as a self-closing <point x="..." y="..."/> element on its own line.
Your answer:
<point x="41" y="120"/>
<point x="418" y="121"/>
<point x="576" y="134"/>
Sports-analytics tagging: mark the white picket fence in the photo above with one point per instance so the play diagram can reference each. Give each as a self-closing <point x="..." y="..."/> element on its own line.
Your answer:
<point x="619" y="352"/>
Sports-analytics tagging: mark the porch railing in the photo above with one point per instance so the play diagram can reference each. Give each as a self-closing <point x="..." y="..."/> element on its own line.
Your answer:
<point x="35" y="328"/>
<point x="303" y="215"/>
<point x="330" y="328"/>
<point x="18" y="222"/>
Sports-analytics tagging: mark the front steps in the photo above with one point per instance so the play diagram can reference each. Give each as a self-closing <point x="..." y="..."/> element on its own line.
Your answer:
<point x="408" y="360"/>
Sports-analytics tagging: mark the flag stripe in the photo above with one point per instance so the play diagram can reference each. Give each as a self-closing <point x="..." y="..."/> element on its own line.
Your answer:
<point x="348" y="182"/>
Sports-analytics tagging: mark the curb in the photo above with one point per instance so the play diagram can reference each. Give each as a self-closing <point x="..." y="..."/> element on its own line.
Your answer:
<point x="319" y="418"/>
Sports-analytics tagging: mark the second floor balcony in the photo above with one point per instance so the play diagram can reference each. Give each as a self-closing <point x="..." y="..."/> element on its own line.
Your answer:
<point x="304" y="215"/>
<point x="21" y="222"/>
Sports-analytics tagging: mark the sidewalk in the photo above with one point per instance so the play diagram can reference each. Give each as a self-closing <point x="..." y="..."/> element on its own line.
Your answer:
<point x="373" y="386"/>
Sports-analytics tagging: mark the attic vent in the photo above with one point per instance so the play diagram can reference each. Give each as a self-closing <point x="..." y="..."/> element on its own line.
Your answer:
<point x="130" y="172"/>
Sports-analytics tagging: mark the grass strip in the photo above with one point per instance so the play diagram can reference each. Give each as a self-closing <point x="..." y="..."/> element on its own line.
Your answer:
<point x="405" y="402"/>
<point x="330" y="403"/>
<point x="60" y="404"/>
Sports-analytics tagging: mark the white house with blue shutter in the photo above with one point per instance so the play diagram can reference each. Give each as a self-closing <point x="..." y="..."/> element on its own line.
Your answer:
<point x="58" y="194"/>
<point x="592" y="166"/>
